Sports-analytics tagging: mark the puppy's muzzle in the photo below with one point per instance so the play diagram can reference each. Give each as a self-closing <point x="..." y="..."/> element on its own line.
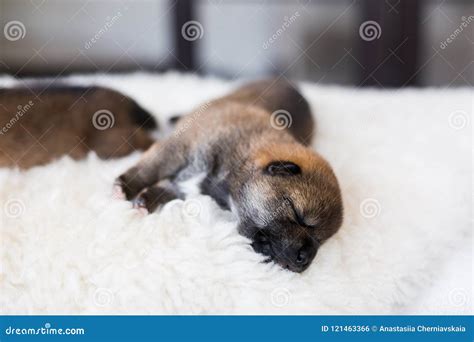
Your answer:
<point x="293" y="258"/>
<point x="296" y="260"/>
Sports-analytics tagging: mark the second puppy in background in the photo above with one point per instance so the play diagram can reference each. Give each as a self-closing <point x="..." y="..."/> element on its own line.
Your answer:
<point x="285" y="195"/>
<point x="61" y="119"/>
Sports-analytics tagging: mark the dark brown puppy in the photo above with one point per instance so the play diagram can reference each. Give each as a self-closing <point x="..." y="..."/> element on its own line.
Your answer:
<point x="249" y="150"/>
<point x="40" y="125"/>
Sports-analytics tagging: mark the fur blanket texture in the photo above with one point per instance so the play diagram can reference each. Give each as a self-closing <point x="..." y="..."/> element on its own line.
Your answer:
<point x="404" y="162"/>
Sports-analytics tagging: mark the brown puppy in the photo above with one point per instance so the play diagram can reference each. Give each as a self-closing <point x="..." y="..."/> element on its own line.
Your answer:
<point x="40" y="125"/>
<point x="249" y="150"/>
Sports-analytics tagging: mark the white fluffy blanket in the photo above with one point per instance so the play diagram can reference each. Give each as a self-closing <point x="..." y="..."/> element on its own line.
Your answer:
<point x="404" y="162"/>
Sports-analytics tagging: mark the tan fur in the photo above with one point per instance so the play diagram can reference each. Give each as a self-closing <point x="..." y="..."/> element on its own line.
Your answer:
<point x="59" y="121"/>
<point x="286" y="196"/>
<point x="308" y="160"/>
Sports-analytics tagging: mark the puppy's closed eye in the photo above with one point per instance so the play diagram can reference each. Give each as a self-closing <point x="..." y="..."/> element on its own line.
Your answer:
<point x="299" y="218"/>
<point x="282" y="168"/>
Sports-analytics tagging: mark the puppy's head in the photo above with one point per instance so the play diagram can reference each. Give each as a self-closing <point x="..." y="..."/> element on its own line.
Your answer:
<point x="290" y="205"/>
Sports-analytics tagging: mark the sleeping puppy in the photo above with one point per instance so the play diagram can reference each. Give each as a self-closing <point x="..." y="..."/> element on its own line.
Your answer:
<point x="38" y="124"/>
<point x="249" y="150"/>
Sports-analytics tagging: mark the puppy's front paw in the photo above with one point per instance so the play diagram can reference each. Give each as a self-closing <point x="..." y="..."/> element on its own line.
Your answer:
<point x="130" y="183"/>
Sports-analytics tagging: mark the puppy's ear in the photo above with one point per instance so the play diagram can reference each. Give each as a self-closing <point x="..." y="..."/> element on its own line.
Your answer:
<point x="282" y="168"/>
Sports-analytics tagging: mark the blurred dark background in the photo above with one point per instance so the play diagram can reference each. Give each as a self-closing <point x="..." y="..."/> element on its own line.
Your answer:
<point x="382" y="43"/>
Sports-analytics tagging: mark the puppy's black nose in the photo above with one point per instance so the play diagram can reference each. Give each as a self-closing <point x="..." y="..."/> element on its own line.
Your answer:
<point x="302" y="257"/>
